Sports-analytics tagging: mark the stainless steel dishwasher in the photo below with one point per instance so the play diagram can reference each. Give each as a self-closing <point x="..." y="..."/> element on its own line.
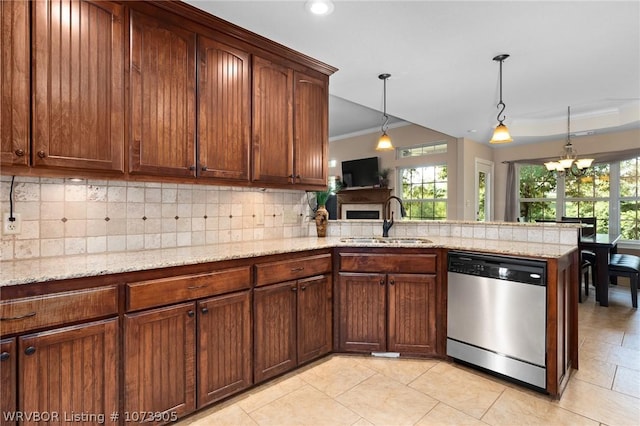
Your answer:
<point x="497" y="314"/>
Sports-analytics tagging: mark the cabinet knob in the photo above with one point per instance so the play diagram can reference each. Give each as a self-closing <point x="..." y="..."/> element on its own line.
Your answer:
<point x="192" y="168"/>
<point x="4" y="356"/>
<point x="41" y="154"/>
<point x="294" y="288"/>
<point x="30" y="350"/>
<point x="191" y="313"/>
<point x="392" y="282"/>
<point x="381" y="281"/>
<point x="204" y="168"/>
<point x="19" y="152"/>
<point x="304" y="287"/>
<point x="204" y="310"/>
<point x="298" y="177"/>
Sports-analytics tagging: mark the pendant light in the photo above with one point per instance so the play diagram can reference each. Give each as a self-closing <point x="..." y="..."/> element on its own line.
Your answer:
<point x="501" y="133"/>
<point x="569" y="161"/>
<point x="384" y="142"/>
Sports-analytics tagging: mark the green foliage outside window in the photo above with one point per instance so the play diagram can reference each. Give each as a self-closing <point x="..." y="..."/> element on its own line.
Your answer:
<point x="424" y="192"/>
<point x="630" y="199"/>
<point x="584" y="196"/>
<point x="538" y="190"/>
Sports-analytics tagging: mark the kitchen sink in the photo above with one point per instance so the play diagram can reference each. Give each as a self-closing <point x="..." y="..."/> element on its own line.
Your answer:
<point x="385" y="240"/>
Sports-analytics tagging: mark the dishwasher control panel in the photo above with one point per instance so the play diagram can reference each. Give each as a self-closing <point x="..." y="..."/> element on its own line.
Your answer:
<point x="500" y="267"/>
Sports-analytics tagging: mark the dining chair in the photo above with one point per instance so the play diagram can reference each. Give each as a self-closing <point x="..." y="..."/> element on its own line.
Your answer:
<point x="587" y="257"/>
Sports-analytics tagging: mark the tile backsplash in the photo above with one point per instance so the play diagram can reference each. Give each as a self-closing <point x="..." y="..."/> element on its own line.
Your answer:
<point x="62" y="217"/>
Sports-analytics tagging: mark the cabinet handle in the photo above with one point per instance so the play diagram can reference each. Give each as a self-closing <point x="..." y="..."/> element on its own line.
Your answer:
<point x="191" y="313"/>
<point x="204" y="310"/>
<point x="294" y="288"/>
<point x="30" y="350"/>
<point x="192" y="168"/>
<point x="381" y="281"/>
<point x="298" y="177"/>
<point x="204" y="168"/>
<point x="41" y="154"/>
<point x="304" y="287"/>
<point x="19" y="152"/>
<point x="298" y="269"/>
<point x="4" y="356"/>
<point x="290" y="176"/>
<point x="30" y="314"/>
<point x="195" y="287"/>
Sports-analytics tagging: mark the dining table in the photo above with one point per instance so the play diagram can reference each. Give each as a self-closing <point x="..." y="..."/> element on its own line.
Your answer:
<point x="603" y="245"/>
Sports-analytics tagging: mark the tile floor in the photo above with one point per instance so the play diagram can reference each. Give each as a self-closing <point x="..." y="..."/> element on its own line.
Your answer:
<point x="359" y="391"/>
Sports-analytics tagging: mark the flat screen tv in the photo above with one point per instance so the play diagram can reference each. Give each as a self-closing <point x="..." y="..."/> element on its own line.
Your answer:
<point x="361" y="172"/>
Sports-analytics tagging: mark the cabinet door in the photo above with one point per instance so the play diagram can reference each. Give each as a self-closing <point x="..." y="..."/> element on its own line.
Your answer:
<point x="8" y="396"/>
<point x="224" y="346"/>
<point x="362" y="312"/>
<point x="412" y="313"/>
<point x="311" y="130"/>
<point x="70" y="370"/>
<point x="272" y="122"/>
<point x="14" y="83"/>
<point x="160" y="360"/>
<point x="78" y="83"/>
<point x="162" y="72"/>
<point x="274" y="318"/>
<point x="224" y="96"/>
<point x="314" y="317"/>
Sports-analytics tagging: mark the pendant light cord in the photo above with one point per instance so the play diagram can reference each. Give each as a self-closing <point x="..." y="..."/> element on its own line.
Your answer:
<point x="384" y="78"/>
<point x="501" y="104"/>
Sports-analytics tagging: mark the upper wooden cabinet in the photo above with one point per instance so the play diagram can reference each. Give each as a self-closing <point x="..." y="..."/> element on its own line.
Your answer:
<point x="224" y="122"/>
<point x="290" y="125"/>
<point x="272" y="122"/>
<point x="78" y="85"/>
<point x="162" y="79"/>
<point x="311" y="130"/>
<point x="14" y="83"/>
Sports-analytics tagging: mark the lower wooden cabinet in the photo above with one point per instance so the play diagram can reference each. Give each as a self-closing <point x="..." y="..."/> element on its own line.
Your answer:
<point x="224" y="346"/>
<point x="8" y="379"/>
<point x="68" y="372"/>
<point x="159" y="347"/>
<point x="184" y="356"/>
<point x="292" y="324"/>
<point x="389" y="302"/>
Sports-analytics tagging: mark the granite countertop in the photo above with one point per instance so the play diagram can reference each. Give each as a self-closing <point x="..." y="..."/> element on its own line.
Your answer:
<point x="56" y="268"/>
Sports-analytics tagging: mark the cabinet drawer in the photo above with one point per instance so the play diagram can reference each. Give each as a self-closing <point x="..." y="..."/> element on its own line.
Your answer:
<point x="286" y="270"/>
<point x="146" y="294"/>
<point x="29" y="313"/>
<point x="388" y="263"/>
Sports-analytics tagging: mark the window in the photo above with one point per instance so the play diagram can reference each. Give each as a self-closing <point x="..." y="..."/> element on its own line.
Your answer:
<point x="538" y="193"/>
<point x="589" y="195"/>
<point x="424" y="192"/>
<point x="630" y="199"/>
<point x="430" y="148"/>
<point x="608" y="192"/>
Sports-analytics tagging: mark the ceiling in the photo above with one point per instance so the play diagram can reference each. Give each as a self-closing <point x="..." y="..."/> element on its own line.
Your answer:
<point x="583" y="54"/>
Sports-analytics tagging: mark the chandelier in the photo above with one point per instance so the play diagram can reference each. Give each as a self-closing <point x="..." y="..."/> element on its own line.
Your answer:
<point x="569" y="161"/>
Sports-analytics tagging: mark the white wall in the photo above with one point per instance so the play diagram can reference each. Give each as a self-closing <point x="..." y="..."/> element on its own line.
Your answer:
<point x="462" y="154"/>
<point x="410" y="135"/>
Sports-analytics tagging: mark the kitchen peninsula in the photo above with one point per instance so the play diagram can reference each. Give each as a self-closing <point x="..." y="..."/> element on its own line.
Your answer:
<point x="275" y="304"/>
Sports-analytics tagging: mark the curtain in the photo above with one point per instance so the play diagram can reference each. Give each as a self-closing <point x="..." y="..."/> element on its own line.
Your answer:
<point x="510" y="208"/>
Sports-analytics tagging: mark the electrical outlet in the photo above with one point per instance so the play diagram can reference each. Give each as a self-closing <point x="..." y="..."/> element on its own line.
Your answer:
<point x="11" y="227"/>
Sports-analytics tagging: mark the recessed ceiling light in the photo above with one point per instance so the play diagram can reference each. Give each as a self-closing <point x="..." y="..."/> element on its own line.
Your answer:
<point x="320" y="7"/>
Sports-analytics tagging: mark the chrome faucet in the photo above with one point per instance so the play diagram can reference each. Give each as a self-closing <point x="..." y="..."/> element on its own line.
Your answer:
<point x="387" y="224"/>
